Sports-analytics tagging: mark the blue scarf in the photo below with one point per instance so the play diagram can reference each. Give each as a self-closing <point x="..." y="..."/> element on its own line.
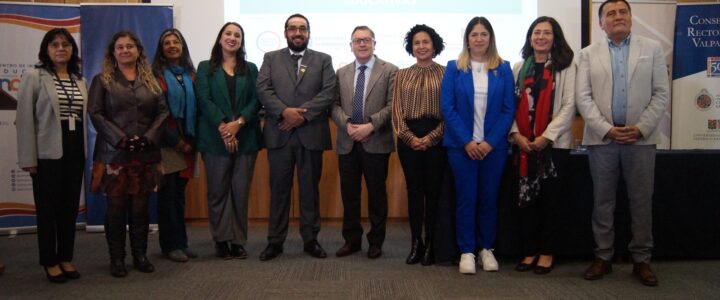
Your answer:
<point x="181" y="101"/>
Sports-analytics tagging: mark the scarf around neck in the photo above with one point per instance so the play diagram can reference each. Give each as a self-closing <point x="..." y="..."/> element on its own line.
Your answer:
<point x="534" y="166"/>
<point x="181" y="97"/>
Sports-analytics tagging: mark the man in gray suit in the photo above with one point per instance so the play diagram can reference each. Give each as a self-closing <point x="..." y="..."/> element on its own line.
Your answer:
<point x="622" y="93"/>
<point x="364" y="140"/>
<point x="296" y="85"/>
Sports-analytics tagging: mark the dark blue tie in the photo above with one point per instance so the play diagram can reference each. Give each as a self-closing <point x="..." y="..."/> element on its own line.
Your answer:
<point x="357" y="104"/>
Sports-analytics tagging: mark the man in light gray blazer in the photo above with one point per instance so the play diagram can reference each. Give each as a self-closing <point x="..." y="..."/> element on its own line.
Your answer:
<point x="622" y="93"/>
<point x="364" y="140"/>
<point x="297" y="86"/>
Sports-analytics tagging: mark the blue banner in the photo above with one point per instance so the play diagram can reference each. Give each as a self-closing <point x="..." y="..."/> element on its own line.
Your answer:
<point x="697" y="39"/>
<point x="99" y="23"/>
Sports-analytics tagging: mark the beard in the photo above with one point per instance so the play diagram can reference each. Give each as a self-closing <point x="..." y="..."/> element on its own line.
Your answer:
<point x="295" y="48"/>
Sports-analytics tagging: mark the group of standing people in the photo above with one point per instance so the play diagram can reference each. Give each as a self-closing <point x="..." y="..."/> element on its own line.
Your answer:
<point x="470" y="116"/>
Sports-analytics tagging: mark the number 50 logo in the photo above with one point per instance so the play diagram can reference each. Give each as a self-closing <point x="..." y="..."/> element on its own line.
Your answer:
<point x="713" y="66"/>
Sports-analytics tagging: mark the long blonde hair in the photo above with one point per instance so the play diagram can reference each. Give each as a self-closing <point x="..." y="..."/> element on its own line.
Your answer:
<point x="144" y="70"/>
<point x="493" y="58"/>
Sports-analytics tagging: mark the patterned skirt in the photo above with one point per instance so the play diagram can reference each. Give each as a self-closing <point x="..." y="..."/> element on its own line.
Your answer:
<point x="125" y="179"/>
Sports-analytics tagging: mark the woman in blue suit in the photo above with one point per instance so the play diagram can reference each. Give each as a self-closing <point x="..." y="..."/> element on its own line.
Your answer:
<point x="478" y="106"/>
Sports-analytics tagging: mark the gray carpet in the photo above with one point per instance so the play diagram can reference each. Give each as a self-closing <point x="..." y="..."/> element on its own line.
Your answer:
<point x="295" y="275"/>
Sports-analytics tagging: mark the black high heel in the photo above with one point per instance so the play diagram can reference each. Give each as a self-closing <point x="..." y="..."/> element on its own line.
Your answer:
<point x="60" y="278"/>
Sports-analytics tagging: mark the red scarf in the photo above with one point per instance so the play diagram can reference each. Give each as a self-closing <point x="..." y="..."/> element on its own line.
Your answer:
<point x="542" y="109"/>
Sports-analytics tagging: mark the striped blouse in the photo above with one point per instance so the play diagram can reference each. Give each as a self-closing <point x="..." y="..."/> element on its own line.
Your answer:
<point x="65" y="88"/>
<point x="417" y="96"/>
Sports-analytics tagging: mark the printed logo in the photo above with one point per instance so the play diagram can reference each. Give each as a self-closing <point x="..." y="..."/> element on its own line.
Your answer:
<point x="712" y="124"/>
<point x="713" y="66"/>
<point x="703" y="100"/>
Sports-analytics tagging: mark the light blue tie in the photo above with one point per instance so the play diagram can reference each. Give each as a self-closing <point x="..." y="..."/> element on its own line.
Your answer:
<point x="357" y="104"/>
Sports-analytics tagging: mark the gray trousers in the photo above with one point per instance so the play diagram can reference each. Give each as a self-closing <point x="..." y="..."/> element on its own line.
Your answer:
<point x="282" y="163"/>
<point x="228" y="186"/>
<point x="637" y="164"/>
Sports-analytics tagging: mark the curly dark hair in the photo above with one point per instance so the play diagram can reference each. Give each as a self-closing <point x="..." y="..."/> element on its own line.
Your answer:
<point x="216" y="55"/>
<point x="74" y="65"/>
<point x="160" y="62"/>
<point x="561" y="53"/>
<point x="437" y="41"/>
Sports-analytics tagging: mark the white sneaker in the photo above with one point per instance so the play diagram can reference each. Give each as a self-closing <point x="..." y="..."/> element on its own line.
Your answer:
<point x="467" y="263"/>
<point x="488" y="261"/>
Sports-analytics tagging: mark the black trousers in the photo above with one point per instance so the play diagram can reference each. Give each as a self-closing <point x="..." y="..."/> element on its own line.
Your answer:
<point x="171" y="213"/>
<point x="538" y="219"/>
<point x="374" y="167"/>
<point x="56" y="191"/>
<point x="133" y="211"/>
<point x="424" y="172"/>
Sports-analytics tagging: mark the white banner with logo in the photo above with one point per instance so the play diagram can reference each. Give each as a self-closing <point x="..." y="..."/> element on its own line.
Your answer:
<point x="696" y="76"/>
<point x="22" y="27"/>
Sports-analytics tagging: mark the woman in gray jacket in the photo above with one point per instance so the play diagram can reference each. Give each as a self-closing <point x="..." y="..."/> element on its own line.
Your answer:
<point x="51" y="141"/>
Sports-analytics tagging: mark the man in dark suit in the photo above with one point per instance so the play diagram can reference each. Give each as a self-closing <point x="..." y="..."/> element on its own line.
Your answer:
<point x="296" y="85"/>
<point x="362" y="113"/>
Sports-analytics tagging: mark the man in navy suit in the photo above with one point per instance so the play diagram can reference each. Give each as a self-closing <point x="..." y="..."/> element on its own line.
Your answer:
<point x="296" y="85"/>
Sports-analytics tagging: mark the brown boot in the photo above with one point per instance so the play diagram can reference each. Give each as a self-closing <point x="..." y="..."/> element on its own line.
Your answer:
<point x="598" y="268"/>
<point x="643" y="272"/>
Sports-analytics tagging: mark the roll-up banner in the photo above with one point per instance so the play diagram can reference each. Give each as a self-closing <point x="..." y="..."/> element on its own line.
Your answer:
<point x="99" y="23"/>
<point x="696" y="76"/>
<point x="22" y="27"/>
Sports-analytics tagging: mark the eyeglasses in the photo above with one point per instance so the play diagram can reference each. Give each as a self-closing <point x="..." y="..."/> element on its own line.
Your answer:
<point x="301" y="29"/>
<point x="361" y="41"/>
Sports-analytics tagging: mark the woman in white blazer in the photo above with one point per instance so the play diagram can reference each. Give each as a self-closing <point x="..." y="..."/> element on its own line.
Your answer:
<point x="544" y="89"/>
<point x="51" y="147"/>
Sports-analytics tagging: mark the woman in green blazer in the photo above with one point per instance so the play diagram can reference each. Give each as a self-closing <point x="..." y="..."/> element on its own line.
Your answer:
<point x="228" y="137"/>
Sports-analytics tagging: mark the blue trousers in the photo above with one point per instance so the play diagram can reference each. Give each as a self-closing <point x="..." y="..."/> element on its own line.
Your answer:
<point x="477" y="184"/>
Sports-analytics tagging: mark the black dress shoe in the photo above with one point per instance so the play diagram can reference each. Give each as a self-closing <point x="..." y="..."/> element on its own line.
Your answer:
<point x="347" y="249"/>
<point x="374" y="251"/>
<point x="60" y="278"/>
<point x="271" y="251"/>
<point x="117" y="268"/>
<point x="238" y="251"/>
<point x="143" y="264"/>
<point x="70" y="274"/>
<point x="314" y="249"/>
<point x="222" y="250"/>
<point x="523" y="267"/>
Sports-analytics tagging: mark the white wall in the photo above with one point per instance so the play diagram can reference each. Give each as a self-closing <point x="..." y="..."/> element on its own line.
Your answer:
<point x="568" y="14"/>
<point x="199" y="21"/>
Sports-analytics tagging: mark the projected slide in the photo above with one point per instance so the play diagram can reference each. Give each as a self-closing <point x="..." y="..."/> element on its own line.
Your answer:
<point x="332" y="21"/>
